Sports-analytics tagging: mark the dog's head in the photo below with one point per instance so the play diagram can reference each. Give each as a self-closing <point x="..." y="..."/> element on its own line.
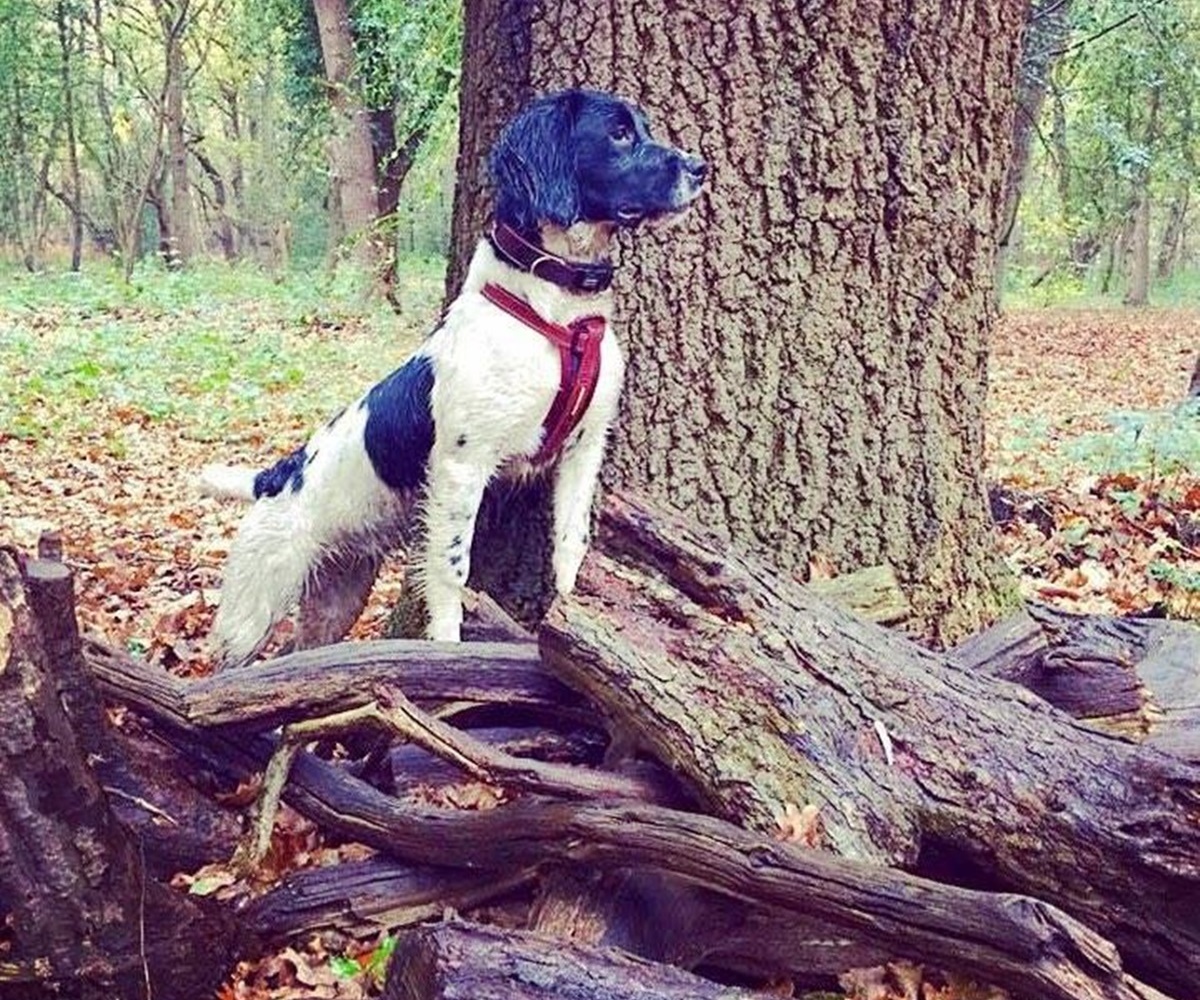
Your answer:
<point x="584" y="156"/>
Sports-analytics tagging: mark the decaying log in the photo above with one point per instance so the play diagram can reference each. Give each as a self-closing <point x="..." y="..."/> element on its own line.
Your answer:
<point x="362" y="898"/>
<point x="176" y="827"/>
<point x="910" y="760"/>
<point x="318" y="682"/>
<point x="1164" y="655"/>
<point x="1135" y="677"/>
<point x="458" y="960"/>
<point x="1022" y="944"/>
<point x="1085" y="683"/>
<point x="83" y="917"/>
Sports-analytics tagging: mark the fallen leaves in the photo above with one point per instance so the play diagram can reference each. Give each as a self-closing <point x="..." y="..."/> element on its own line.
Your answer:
<point x="1085" y="428"/>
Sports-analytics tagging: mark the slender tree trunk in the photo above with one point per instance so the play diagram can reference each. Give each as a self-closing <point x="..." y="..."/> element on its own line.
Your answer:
<point x="1138" y="290"/>
<point x="237" y="182"/>
<point x="1047" y="26"/>
<point x="807" y="347"/>
<point x="220" y="201"/>
<point x="63" y="20"/>
<point x="1168" y="248"/>
<point x="183" y="239"/>
<point x="1194" y="385"/>
<point x="351" y="155"/>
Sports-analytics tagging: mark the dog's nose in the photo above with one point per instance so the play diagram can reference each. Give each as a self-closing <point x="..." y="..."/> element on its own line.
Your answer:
<point x="695" y="166"/>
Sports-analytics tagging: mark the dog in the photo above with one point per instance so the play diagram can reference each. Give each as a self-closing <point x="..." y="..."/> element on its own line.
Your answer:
<point x="520" y="378"/>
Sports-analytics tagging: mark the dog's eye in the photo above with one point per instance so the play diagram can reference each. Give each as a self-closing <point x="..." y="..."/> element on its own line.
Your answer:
<point x="622" y="135"/>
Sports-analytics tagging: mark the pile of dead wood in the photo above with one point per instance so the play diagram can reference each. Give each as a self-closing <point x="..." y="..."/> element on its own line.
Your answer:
<point x="705" y="774"/>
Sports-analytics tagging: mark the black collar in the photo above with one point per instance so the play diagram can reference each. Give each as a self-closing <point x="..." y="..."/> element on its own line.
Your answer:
<point x="574" y="276"/>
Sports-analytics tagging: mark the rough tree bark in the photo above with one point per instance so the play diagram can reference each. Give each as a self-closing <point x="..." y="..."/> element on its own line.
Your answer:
<point x="807" y="347"/>
<point x="351" y="158"/>
<point x="81" y="917"/>
<point x="1137" y="293"/>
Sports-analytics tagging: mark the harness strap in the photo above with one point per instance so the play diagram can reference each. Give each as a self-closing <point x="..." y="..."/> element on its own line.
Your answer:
<point x="578" y="346"/>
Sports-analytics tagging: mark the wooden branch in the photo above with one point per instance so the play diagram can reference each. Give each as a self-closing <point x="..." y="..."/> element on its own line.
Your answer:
<point x="362" y="898"/>
<point x="909" y="760"/>
<point x="1021" y="944"/>
<point x="316" y="682"/>
<point x="471" y="960"/>
<point x="412" y="767"/>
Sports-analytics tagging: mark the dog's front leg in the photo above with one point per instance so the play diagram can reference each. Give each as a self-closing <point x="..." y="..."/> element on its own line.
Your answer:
<point x="574" y="489"/>
<point x="455" y="492"/>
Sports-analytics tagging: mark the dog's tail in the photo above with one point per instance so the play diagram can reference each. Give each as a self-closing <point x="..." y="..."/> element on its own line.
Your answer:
<point x="227" y="482"/>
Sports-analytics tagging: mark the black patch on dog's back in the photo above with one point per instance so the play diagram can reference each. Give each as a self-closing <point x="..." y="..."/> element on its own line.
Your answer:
<point x="399" y="431"/>
<point x="287" y="471"/>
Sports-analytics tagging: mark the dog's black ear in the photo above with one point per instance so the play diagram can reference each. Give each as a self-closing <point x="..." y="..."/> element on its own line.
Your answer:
<point x="533" y="165"/>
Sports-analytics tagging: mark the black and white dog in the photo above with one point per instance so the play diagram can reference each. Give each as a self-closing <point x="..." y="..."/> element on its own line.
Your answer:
<point x="522" y="374"/>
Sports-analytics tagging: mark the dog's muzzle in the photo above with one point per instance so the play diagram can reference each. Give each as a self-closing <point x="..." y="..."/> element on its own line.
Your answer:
<point x="692" y="172"/>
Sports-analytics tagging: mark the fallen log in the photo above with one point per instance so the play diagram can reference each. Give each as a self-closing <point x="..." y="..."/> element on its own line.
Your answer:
<point x="760" y="694"/>
<point x="1021" y="944"/>
<point x="317" y="682"/>
<point x="364" y="898"/>
<point x="1135" y="677"/>
<point x="460" y="959"/>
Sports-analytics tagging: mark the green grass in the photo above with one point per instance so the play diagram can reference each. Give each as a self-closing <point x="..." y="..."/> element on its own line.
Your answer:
<point x="214" y="350"/>
<point x="1067" y="288"/>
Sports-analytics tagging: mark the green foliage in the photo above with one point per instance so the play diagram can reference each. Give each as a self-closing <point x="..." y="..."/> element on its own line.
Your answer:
<point x="1119" y="118"/>
<point x="215" y="351"/>
<point x="1147" y="443"/>
<point x="372" y="965"/>
<point x="256" y="120"/>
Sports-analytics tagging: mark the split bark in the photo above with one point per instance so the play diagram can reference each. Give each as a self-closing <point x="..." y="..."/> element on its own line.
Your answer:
<point x="910" y="761"/>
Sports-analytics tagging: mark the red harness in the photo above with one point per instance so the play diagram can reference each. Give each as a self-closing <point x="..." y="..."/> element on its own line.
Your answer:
<point x="579" y="355"/>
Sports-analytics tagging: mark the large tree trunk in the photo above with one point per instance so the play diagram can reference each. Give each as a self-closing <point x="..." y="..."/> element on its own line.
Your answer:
<point x="351" y="156"/>
<point x="807" y="348"/>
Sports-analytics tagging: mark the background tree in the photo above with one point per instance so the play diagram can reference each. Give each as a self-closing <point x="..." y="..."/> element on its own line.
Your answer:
<point x="807" y="348"/>
<point x="1116" y="168"/>
<point x="1047" y="28"/>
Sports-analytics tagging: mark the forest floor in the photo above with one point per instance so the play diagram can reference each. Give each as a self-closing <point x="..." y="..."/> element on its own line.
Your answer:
<point x="113" y="397"/>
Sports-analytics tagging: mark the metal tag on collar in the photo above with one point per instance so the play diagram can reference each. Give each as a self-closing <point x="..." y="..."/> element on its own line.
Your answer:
<point x="592" y="281"/>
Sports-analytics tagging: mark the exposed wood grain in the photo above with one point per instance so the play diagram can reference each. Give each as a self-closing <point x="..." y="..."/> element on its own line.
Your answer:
<point x="458" y="960"/>
<point x="759" y="693"/>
